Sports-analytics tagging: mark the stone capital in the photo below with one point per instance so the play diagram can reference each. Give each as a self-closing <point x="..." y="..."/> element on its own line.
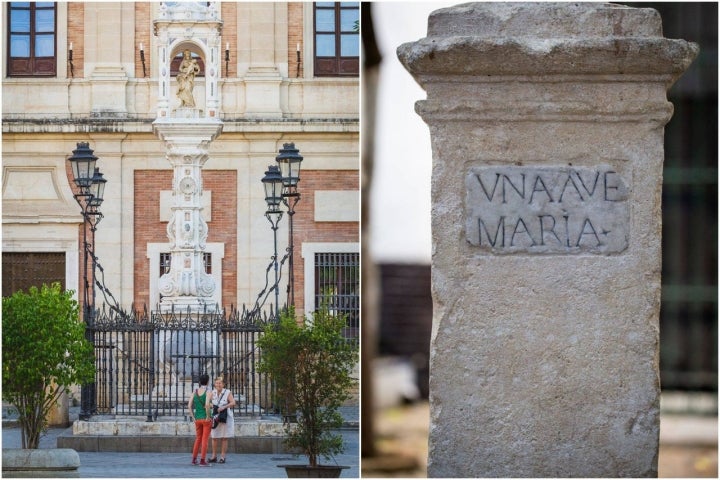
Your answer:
<point x="584" y="61"/>
<point x="585" y="38"/>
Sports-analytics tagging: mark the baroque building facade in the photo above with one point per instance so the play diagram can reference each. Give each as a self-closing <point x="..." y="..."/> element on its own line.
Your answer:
<point x="105" y="72"/>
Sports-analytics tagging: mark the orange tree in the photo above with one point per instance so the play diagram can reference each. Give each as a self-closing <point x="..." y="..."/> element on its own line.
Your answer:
<point x="43" y="352"/>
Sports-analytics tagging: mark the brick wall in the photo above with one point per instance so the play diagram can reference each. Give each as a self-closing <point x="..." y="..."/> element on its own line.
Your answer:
<point x="76" y="35"/>
<point x="228" y="12"/>
<point x="305" y="227"/>
<point x="149" y="228"/>
<point x="142" y="35"/>
<point x="295" y="37"/>
<point x="223" y="227"/>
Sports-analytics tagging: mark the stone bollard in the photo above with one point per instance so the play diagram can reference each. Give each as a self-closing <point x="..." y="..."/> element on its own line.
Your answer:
<point x="547" y="126"/>
<point x="41" y="463"/>
<point x="59" y="415"/>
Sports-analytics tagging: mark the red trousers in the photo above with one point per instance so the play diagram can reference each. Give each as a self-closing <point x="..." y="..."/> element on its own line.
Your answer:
<point x="202" y="434"/>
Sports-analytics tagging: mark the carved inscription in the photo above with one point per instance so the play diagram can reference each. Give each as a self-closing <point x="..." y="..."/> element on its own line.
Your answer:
<point x="566" y="210"/>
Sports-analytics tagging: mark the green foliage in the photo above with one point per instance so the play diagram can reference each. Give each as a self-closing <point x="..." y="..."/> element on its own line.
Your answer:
<point x="43" y="351"/>
<point x="311" y="365"/>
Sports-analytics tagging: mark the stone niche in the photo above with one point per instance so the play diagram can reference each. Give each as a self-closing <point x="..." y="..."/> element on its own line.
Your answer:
<point x="196" y="27"/>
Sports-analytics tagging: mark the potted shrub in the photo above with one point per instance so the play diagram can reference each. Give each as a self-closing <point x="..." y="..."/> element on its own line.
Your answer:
<point x="311" y="364"/>
<point x="44" y="351"/>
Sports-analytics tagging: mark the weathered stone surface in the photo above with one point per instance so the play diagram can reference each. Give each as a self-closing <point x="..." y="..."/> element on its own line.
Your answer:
<point x="270" y="429"/>
<point x="146" y="428"/>
<point x="137" y="435"/>
<point x="565" y="209"/>
<point x="141" y="428"/>
<point x="247" y="429"/>
<point x="496" y="39"/>
<point x="544" y="357"/>
<point x="41" y="463"/>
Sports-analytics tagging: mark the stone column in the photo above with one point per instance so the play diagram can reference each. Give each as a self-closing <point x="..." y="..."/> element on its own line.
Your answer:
<point x="547" y="134"/>
<point x="186" y="285"/>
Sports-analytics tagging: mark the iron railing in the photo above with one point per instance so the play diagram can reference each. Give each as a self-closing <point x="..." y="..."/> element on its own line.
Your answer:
<point x="148" y="363"/>
<point x="337" y="287"/>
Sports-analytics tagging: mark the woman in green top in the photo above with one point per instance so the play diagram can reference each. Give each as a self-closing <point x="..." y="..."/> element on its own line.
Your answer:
<point x="200" y="409"/>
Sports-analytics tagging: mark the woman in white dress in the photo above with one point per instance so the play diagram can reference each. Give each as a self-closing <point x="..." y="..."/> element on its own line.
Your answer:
<point x="224" y="400"/>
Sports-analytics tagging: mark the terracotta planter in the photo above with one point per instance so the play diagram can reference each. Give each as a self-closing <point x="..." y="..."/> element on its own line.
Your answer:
<point x="306" y="471"/>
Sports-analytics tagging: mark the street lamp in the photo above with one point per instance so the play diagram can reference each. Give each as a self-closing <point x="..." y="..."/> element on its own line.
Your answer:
<point x="83" y="166"/>
<point x="272" y="181"/>
<point x="91" y="185"/>
<point x="97" y="189"/>
<point x="289" y="162"/>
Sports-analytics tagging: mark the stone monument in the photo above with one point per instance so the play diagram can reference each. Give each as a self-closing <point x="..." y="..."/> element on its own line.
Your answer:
<point x="547" y="125"/>
<point x="187" y="129"/>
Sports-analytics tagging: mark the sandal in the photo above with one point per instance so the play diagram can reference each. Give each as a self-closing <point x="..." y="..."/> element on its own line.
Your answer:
<point x="212" y="460"/>
<point x="222" y="460"/>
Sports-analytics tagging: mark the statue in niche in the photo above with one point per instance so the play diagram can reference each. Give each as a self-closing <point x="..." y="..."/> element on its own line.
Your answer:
<point x="186" y="80"/>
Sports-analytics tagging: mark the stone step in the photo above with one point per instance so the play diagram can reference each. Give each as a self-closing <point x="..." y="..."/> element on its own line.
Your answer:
<point x="175" y="426"/>
<point x="134" y="434"/>
<point x="165" y="443"/>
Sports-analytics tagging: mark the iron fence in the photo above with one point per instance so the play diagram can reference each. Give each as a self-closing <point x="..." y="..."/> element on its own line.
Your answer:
<point x="148" y="363"/>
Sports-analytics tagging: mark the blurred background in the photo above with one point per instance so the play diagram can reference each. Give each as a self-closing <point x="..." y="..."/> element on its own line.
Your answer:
<point x="397" y="305"/>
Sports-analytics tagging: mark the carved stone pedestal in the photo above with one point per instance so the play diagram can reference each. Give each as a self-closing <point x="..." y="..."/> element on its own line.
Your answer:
<point x="187" y="287"/>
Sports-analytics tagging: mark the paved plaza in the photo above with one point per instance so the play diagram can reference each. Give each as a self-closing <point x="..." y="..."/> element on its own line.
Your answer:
<point x="177" y="465"/>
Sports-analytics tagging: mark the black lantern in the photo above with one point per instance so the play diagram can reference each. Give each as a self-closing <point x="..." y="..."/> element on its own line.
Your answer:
<point x="97" y="189"/>
<point x="83" y="165"/>
<point x="273" y="184"/>
<point x="92" y="188"/>
<point x="289" y="161"/>
<point x="272" y="181"/>
<point x="280" y="183"/>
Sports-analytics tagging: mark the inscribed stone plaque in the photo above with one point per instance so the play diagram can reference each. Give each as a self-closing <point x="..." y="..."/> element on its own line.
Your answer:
<point x="558" y="210"/>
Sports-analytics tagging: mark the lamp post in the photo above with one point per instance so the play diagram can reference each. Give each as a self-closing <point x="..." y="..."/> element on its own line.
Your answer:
<point x="289" y="161"/>
<point x="272" y="181"/>
<point x="91" y="188"/>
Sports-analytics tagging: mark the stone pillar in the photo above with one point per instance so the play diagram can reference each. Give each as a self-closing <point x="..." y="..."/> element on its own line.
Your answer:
<point x="59" y="414"/>
<point x="547" y="134"/>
